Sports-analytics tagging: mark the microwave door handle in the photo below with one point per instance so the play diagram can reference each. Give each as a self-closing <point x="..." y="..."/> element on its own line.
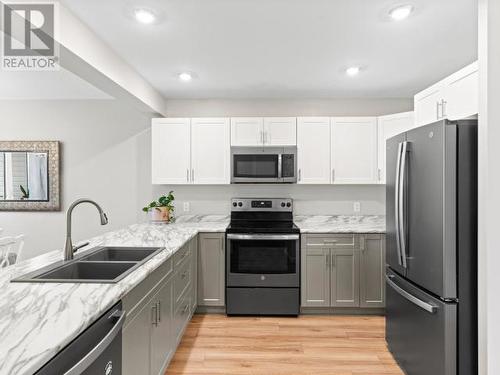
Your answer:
<point x="401" y="205"/>
<point x="280" y="166"/>
<point x="396" y="203"/>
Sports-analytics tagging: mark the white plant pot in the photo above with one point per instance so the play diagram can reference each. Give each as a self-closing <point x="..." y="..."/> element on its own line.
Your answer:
<point x="159" y="215"/>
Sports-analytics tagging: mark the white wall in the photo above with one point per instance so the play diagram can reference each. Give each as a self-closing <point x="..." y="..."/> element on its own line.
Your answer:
<point x="309" y="199"/>
<point x="489" y="187"/>
<point x="105" y="156"/>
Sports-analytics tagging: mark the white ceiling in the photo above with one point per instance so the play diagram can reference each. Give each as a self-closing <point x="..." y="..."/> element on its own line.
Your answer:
<point x="288" y="48"/>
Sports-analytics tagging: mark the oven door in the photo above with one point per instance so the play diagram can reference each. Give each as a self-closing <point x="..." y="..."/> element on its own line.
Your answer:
<point x="257" y="260"/>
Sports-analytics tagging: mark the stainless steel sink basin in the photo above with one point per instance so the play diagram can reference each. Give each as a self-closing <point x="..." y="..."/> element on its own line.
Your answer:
<point x="120" y="254"/>
<point x="102" y="265"/>
<point x="88" y="271"/>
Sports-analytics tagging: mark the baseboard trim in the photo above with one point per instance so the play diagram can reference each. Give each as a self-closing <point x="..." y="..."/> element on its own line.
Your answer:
<point x="341" y="311"/>
<point x="211" y="310"/>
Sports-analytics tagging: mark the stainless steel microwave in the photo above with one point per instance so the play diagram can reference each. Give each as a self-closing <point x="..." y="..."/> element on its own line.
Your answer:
<point x="263" y="165"/>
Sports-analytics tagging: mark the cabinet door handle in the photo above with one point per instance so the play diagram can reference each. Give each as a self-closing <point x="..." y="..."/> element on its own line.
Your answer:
<point x="184" y="274"/>
<point x="192" y="175"/>
<point x="327" y="258"/>
<point x="187" y="174"/>
<point x="443" y="108"/>
<point x="154" y="314"/>
<point x="300" y="174"/>
<point x="333" y="175"/>
<point x="439" y="114"/>
<point x="362" y="243"/>
<point x="332" y="260"/>
<point x="159" y="311"/>
<point x="380" y="174"/>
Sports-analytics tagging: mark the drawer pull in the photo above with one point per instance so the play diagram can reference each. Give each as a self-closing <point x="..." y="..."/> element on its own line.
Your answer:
<point x="330" y="241"/>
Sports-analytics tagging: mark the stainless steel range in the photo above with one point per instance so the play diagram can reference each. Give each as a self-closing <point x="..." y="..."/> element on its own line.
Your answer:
<point x="263" y="258"/>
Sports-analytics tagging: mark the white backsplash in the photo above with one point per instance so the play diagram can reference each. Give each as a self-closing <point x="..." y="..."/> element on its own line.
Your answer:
<point x="308" y="199"/>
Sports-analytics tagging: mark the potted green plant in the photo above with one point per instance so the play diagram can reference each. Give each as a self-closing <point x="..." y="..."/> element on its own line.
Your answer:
<point x="161" y="210"/>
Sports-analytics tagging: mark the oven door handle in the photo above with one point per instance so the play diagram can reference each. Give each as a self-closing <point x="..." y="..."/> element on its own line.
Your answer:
<point x="275" y="237"/>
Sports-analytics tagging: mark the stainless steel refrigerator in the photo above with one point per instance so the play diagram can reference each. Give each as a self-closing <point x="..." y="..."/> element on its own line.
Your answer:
<point x="431" y="274"/>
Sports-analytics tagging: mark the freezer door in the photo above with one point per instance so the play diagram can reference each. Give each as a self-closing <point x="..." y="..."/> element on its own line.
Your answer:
<point x="430" y="208"/>
<point x="393" y="162"/>
<point x="420" y="330"/>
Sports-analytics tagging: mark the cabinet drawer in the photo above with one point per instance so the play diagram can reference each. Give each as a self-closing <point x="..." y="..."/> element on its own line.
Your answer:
<point x="144" y="290"/>
<point x="335" y="241"/>
<point x="182" y="254"/>
<point x="181" y="315"/>
<point x="182" y="278"/>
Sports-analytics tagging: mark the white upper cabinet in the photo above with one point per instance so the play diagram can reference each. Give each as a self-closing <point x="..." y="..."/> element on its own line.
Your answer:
<point x="462" y="93"/>
<point x="428" y="104"/>
<point x="389" y="126"/>
<point x="210" y="151"/>
<point x="258" y="131"/>
<point x="455" y="97"/>
<point x="247" y="131"/>
<point x="280" y="131"/>
<point x="171" y="159"/>
<point x="354" y="150"/>
<point x="313" y="150"/>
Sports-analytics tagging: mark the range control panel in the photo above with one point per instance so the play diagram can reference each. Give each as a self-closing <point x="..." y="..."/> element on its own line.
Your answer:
<point x="269" y="204"/>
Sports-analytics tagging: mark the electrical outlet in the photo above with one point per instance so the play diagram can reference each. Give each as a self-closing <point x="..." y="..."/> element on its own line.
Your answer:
<point x="186" y="207"/>
<point x="356" y="206"/>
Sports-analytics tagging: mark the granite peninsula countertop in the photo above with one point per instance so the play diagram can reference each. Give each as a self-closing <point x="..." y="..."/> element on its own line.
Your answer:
<point x="39" y="319"/>
<point x="340" y="223"/>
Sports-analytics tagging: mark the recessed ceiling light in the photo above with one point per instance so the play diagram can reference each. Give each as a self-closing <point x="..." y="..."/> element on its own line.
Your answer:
<point x="185" y="77"/>
<point x="401" y="12"/>
<point x="145" y="16"/>
<point x="352" y="71"/>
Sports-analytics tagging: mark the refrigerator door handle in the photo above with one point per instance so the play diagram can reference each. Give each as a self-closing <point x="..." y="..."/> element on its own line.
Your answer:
<point x="410" y="297"/>
<point x="401" y="205"/>
<point x="396" y="203"/>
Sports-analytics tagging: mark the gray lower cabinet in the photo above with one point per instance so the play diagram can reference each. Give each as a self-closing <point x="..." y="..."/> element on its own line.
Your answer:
<point x="162" y="344"/>
<point x="372" y="266"/>
<point x="316" y="277"/>
<point x="136" y="343"/>
<point x="342" y="270"/>
<point x="158" y="310"/>
<point x="211" y="270"/>
<point x="194" y="274"/>
<point x="344" y="286"/>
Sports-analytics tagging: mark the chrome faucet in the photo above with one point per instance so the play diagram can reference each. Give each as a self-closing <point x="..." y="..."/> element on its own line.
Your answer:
<point x="68" y="246"/>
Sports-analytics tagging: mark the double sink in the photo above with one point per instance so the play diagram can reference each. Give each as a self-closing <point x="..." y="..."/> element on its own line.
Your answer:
<point x="107" y="264"/>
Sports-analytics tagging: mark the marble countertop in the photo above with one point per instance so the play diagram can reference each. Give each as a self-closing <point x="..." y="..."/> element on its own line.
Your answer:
<point x="340" y="224"/>
<point x="39" y="319"/>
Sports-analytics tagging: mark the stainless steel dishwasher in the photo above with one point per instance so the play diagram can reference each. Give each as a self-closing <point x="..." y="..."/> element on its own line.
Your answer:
<point x="96" y="351"/>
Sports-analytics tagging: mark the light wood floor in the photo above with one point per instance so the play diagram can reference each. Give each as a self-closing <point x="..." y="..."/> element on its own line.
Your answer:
<point x="308" y="345"/>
